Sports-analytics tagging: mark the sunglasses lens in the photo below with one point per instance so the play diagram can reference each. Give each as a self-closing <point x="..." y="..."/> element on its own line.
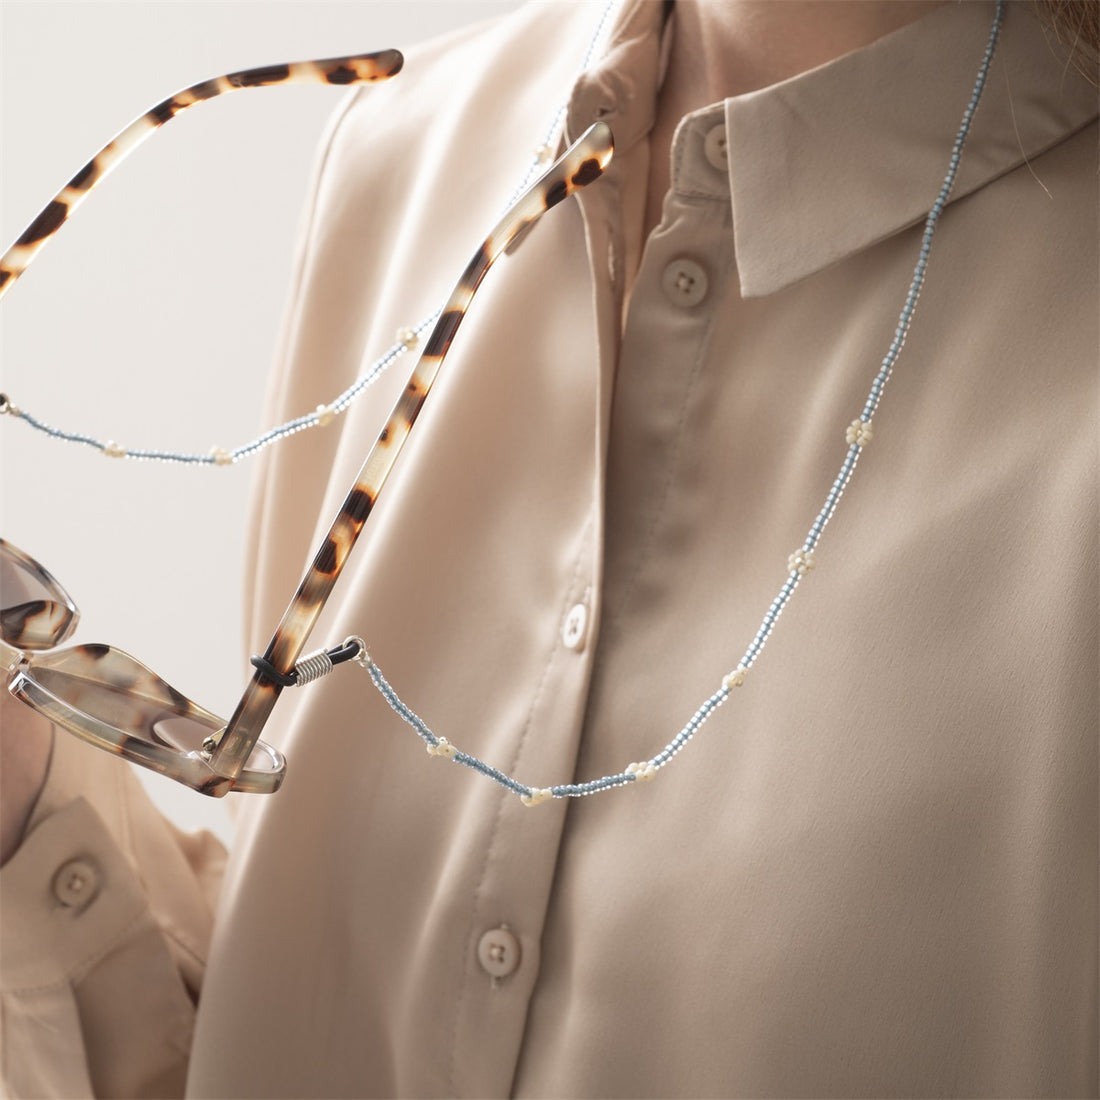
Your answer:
<point x="35" y="611"/>
<point x="127" y="702"/>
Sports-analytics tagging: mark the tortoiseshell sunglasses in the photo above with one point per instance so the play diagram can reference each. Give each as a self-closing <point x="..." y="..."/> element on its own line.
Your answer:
<point x="110" y="699"/>
<point x="101" y="694"/>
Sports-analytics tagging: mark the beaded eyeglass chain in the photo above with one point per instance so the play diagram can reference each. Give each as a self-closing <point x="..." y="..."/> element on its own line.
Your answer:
<point x="351" y="70"/>
<point x="857" y="436"/>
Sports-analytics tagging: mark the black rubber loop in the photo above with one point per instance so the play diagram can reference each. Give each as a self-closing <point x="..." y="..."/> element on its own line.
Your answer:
<point x="337" y="655"/>
<point x="341" y="653"/>
<point x="273" y="674"/>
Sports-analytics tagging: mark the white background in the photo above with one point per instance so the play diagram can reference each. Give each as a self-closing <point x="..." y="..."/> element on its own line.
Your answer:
<point x="152" y="318"/>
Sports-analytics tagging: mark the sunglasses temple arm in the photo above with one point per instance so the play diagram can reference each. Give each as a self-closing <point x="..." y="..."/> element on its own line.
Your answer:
<point x="582" y="163"/>
<point x="355" y="69"/>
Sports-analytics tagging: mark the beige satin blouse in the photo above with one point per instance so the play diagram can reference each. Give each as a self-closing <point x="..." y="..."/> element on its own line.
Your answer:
<point x="874" y="871"/>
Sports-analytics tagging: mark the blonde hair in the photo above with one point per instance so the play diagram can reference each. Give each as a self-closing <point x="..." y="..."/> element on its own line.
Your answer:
<point x="1076" y="26"/>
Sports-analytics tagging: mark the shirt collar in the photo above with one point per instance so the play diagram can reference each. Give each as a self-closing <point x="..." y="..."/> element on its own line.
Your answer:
<point x="621" y="88"/>
<point x="838" y="158"/>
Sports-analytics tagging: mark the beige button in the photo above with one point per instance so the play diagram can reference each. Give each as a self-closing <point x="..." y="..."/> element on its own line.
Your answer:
<point x="575" y="627"/>
<point x="76" y="884"/>
<point x="714" y="148"/>
<point x="685" y="282"/>
<point x="498" y="952"/>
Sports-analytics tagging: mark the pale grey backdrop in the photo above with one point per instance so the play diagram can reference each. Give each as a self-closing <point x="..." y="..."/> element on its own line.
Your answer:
<point x="152" y="318"/>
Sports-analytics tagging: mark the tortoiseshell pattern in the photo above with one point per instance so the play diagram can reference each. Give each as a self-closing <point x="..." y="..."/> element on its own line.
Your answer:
<point x="354" y="69"/>
<point x="99" y="693"/>
<point x="581" y="164"/>
<point x="35" y="611"/>
<point x="106" y="697"/>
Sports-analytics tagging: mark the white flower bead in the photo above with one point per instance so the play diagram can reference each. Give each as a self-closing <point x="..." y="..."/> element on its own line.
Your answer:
<point x="221" y="456"/>
<point x="113" y="449"/>
<point x="325" y="414"/>
<point x="859" y="432"/>
<point x="542" y="153"/>
<point x="537" y="795"/>
<point x="443" y="748"/>
<point x="734" y="679"/>
<point x="643" y="771"/>
<point x="800" y="562"/>
<point x="407" y="337"/>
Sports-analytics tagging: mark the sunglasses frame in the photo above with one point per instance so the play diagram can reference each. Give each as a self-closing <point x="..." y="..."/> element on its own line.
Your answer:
<point x="31" y="635"/>
<point x="221" y="765"/>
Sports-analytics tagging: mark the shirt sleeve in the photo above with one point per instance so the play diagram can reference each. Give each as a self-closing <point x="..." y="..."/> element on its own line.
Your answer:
<point x="105" y="918"/>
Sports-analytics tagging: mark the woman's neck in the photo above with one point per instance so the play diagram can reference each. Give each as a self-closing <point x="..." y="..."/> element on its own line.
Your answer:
<point x="723" y="48"/>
